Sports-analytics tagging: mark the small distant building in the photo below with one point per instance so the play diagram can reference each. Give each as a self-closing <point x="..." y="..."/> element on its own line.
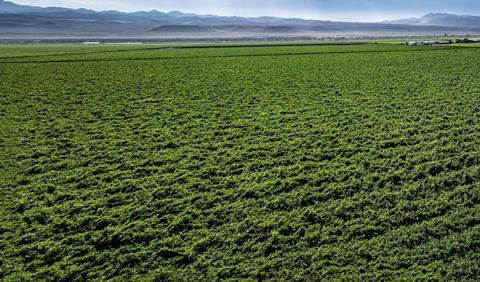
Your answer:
<point x="91" y="43"/>
<point x="443" y="42"/>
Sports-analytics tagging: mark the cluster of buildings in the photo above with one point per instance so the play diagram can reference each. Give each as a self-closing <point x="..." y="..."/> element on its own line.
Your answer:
<point x="111" y="43"/>
<point x="440" y="42"/>
<point x="468" y="40"/>
<point x="429" y="43"/>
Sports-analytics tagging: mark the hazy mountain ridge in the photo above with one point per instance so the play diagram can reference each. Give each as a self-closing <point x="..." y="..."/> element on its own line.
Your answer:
<point x="441" y="19"/>
<point x="28" y="21"/>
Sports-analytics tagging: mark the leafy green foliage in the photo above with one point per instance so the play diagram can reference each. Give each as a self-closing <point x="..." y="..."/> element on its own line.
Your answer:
<point x="281" y="163"/>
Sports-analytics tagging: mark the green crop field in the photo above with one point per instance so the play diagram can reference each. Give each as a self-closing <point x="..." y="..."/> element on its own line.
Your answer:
<point x="281" y="163"/>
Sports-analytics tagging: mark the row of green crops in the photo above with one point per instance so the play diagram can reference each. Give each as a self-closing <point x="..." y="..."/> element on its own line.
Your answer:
<point x="160" y="52"/>
<point x="281" y="163"/>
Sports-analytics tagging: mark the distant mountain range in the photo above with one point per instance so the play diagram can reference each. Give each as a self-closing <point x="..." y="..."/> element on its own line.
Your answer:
<point x="441" y="20"/>
<point x="21" y="21"/>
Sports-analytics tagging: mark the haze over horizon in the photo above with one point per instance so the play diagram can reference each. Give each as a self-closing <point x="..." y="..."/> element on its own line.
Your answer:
<point x="336" y="10"/>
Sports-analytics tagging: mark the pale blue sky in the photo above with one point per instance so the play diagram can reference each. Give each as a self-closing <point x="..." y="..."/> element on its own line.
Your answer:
<point x="348" y="10"/>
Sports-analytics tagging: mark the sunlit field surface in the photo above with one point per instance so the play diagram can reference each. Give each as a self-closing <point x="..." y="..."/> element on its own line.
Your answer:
<point x="257" y="163"/>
